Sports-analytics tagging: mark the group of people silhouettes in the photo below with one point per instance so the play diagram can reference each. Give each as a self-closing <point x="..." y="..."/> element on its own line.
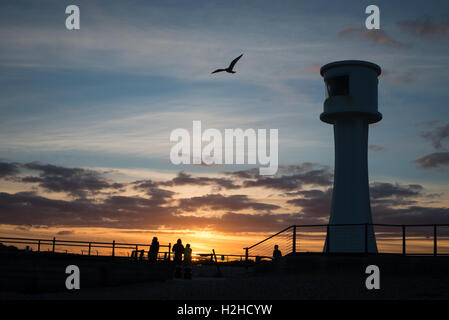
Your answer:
<point x="180" y="252"/>
<point x="183" y="257"/>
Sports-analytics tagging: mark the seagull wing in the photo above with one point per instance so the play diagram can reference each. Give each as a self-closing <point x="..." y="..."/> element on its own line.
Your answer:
<point x="231" y="66"/>
<point x="219" y="70"/>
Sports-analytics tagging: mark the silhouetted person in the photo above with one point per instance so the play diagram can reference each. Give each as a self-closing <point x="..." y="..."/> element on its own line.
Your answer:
<point x="154" y="250"/>
<point x="187" y="262"/>
<point x="178" y="249"/>
<point x="276" y="252"/>
<point x="187" y="255"/>
<point x="231" y="66"/>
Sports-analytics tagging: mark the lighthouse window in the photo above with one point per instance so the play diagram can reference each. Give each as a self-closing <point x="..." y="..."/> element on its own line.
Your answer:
<point x="337" y="86"/>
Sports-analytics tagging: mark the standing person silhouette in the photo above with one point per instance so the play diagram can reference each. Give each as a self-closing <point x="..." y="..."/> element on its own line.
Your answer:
<point x="276" y="252"/>
<point x="188" y="254"/>
<point x="188" y="262"/>
<point x="178" y="249"/>
<point x="154" y="250"/>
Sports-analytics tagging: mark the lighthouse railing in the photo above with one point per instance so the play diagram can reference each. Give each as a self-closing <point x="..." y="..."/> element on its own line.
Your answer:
<point x="405" y="239"/>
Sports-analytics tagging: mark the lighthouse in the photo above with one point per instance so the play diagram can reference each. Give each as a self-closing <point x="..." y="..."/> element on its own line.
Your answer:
<point x="350" y="106"/>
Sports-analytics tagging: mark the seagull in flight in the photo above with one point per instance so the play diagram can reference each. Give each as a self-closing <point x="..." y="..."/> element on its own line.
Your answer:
<point x="231" y="66"/>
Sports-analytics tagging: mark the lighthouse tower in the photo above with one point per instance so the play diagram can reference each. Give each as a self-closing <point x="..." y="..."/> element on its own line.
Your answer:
<point x="350" y="106"/>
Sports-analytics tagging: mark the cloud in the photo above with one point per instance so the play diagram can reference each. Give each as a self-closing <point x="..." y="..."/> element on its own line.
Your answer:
<point x="293" y="177"/>
<point x="381" y="190"/>
<point x="399" y="77"/>
<point x="151" y="189"/>
<point x="317" y="203"/>
<point x="424" y="27"/>
<point x="375" y="148"/>
<point x="186" y="179"/>
<point x="239" y="222"/>
<point x="244" y="174"/>
<point x="411" y="215"/>
<point x="302" y="168"/>
<point x="391" y="202"/>
<point x="27" y="209"/>
<point x="221" y="202"/>
<point x="312" y="68"/>
<point x="8" y="169"/>
<point x="77" y="182"/>
<point x="437" y="135"/>
<point x="375" y="36"/>
<point x="433" y="160"/>
<point x="297" y="176"/>
<point x="65" y="232"/>
<point x="439" y="132"/>
<point x="314" y="203"/>
<point x="80" y="182"/>
<point x="393" y="195"/>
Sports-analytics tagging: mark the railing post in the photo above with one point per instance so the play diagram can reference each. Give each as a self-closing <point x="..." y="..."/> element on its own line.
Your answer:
<point x="54" y="244"/>
<point x="113" y="249"/>
<point x="294" y="239"/>
<point x="435" y="240"/>
<point x="39" y="246"/>
<point x="403" y="240"/>
<point x="328" y="238"/>
<point x="90" y="245"/>
<point x="137" y="253"/>
<point x="246" y="254"/>
<point x="366" y="238"/>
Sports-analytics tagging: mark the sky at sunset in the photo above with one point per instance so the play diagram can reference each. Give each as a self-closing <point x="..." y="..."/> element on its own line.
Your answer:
<point x="86" y="116"/>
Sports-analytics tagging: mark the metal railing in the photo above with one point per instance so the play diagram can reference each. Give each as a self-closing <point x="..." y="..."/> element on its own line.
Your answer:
<point x="221" y="257"/>
<point x="38" y="244"/>
<point x="419" y="239"/>
<point x="88" y="248"/>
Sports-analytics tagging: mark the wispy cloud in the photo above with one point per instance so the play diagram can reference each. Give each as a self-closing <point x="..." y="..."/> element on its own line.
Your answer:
<point x="312" y="68"/>
<point x="376" y="36"/>
<point x="65" y="233"/>
<point x="439" y="133"/>
<point x="400" y="76"/>
<point x="376" y="148"/>
<point x="8" y="169"/>
<point x="434" y="160"/>
<point x="425" y="27"/>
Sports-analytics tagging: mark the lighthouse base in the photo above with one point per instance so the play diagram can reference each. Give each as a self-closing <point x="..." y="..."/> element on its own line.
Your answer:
<point x="350" y="239"/>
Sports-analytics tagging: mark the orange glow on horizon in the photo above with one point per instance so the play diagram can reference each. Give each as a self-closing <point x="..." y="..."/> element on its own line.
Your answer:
<point x="203" y="241"/>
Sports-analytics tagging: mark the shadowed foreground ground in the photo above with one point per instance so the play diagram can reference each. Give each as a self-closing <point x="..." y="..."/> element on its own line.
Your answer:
<point x="287" y="281"/>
